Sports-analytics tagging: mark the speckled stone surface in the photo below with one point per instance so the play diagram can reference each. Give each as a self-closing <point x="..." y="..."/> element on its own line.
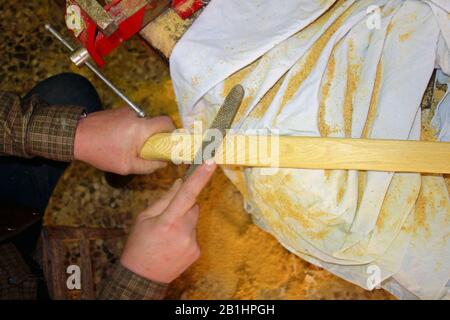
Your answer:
<point x="239" y="260"/>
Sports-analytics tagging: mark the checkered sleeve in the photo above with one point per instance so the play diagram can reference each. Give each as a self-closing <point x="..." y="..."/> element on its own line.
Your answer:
<point x="126" y="285"/>
<point x="33" y="128"/>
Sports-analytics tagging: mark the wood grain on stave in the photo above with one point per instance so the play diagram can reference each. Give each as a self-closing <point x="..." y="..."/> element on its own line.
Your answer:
<point x="307" y="152"/>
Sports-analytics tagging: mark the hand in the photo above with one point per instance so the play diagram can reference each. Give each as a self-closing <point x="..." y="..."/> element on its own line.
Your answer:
<point x="163" y="242"/>
<point x="111" y="140"/>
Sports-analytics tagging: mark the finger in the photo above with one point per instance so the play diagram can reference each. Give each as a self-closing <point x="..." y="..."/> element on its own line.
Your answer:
<point x="152" y="126"/>
<point x="159" y="125"/>
<point x="187" y="195"/>
<point x="159" y="206"/>
<point x="141" y="166"/>
<point x="192" y="216"/>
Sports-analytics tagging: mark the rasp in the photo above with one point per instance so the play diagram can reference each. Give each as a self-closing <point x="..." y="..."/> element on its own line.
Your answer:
<point x="222" y="122"/>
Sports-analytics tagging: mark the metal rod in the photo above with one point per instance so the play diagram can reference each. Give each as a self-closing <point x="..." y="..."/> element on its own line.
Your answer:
<point x="94" y="69"/>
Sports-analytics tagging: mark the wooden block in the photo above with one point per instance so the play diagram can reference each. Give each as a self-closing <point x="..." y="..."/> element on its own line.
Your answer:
<point x="164" y="32"/>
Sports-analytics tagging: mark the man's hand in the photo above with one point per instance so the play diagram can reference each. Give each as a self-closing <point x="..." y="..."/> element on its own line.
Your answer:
<point x="163" y="242"/>
<point x="111" y="140"/>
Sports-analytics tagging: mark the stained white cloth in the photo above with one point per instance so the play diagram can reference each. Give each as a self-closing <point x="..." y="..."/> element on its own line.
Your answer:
<point x="339" y="69"/>
<point x="441" y="119"/>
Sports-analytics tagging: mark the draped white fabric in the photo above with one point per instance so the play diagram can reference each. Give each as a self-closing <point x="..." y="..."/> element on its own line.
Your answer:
<point x="338" y="69"/>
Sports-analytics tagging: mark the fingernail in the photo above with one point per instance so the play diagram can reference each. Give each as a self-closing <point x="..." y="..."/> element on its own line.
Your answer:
<point x="210" y="164"/>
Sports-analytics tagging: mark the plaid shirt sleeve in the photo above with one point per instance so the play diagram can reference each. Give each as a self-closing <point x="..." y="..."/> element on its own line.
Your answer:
<point x="31" y="128"/>
<point x="126" y="285"/>
<point x="34" y="128"/>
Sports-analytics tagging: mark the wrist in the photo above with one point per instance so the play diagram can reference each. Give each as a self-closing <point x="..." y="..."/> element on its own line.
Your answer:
<point x="140" y="270"/>
<point x="80" y="137"/>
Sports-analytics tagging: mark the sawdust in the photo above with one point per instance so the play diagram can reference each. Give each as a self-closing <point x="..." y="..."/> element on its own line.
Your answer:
<point x="261" y="108"/>
<point x="160" y="97"/>
<point x="288" y="210"/>
<point x="353" y="73"/>
<point x="309" y="60"/>
<point x="235" y="79"/>
<point x="195" y="81"/>
<point x="371" y="115"/>
<point x="428" y="203"/>
<point x="324" y="129"/>
<point x="165" y="31"/>
<point x="388" y="12"/>
<point x="362" y="180"/>
<point x="389" y="28"/>
<point x="387" y="217"/>
<point x="447" y="181"/>
<point x="241" y="261"/>
<point x="383" y="216"/>
<point x="428" y="133"/>
<point x="341" y="186"/>
<point x="282" y="201"/>
<point x="420" y="215"/>
<point x="405" y="36"/>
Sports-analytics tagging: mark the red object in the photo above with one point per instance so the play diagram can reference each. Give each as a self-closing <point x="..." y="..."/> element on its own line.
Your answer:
<point x="186" y="8"/>
<point x="99" y="45"/>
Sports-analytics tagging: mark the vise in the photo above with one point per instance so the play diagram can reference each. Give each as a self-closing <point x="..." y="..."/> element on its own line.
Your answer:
<point x="102" y="27"/>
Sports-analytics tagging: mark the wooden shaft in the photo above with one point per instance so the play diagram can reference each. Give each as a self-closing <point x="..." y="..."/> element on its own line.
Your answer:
<point x="307" y="152"/>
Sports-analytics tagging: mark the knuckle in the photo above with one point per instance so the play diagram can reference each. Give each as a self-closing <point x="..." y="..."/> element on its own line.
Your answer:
<point x="167" y="122"/>
<point x="169" y="227"/>
<point x="195" y="252"/>
<point x="163" y="123"/>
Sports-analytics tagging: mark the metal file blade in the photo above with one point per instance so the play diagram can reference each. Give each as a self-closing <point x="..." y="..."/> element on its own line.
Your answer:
<point x="222" y="121"/>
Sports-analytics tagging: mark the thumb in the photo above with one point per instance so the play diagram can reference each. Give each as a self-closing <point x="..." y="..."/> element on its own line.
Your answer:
<point x="141" y="166"/>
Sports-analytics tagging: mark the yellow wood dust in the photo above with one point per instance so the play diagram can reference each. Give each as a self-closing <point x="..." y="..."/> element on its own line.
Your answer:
<point x="353" y="73"/>
<point x="241" y="261"/>
<point x="324" y="128"/>
<point x="261" y="108"/>
<point x="308" y="62"/>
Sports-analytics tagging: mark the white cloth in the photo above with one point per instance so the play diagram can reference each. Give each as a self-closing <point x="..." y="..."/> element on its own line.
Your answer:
<point x="329" y="73"/>
<point x="441" y="119"/>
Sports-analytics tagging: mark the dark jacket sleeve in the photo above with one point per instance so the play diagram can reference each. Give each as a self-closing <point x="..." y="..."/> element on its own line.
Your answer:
<point x="31" y="128"/>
